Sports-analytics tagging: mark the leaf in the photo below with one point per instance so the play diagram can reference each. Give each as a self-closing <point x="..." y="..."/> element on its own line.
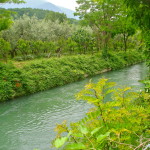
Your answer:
<point x="70" y="132"/>
<point x="60" y="141"/>
<point x="127" y="88"/>
<point x="78" y="135"/>
<point x="109" y="91"/>
<point x="83" y="130"/>
<point x="110" y="84"/>
<point x="76" y="146"/>
<point x="95" y="130"/>
<point x="102" y="137"/>
<point x="91" y="100"/>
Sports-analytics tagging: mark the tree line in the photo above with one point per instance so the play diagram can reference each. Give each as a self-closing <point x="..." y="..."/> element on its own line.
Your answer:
<point x="103" y="26"/>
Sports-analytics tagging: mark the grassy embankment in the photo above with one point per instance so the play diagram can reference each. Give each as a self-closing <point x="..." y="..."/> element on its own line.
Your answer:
<point x="23" y="78"/>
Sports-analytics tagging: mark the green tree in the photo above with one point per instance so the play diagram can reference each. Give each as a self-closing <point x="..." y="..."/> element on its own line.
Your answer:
<point x="4" y="49"/>
<point x="140" y="11"/>
<point x="100" y="15"/>
<point x="53" y="16"/>
<point x="5" y="17"/>
<point x="34" y="29"/>
<point x="19" y="12"/>
<point x="84" y="40"/>
<point x="23" y="47"/>
<point x="125" y="27"/>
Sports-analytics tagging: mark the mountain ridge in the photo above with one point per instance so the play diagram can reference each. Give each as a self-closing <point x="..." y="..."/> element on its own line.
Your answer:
<point x="43" y="5"/>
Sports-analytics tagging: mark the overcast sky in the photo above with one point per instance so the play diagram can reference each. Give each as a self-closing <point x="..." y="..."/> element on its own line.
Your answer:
<point x="71" y="4"/>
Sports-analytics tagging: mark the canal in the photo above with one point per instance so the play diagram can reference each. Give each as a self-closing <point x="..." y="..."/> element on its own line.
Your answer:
<point x="28" y="122"/>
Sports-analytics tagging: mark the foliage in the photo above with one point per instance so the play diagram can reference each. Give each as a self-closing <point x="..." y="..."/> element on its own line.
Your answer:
<point x="84" y="40"/>
<point x="107" y="26"/>
<point x="104" y="18"/>
<point x="5" y="20"/>
<point x="140" y="12"/>
<point x="125" y="28"/>
<point x="4" y="49"/>
<point x="11" y="82"/>
<point x="12" y="1"/>
<point x="105" y="30"/>
<point x="41" y="14"/>
<point x="34" y="29"/>
<point x="42" y="74"/>
<point x="53" y="16"/>
<point x="113" y="123"/>
<point x="45" y="37"/>
<point x="5" y="17"/>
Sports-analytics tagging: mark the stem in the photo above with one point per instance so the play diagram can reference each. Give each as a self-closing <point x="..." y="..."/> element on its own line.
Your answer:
<point x="90" y="142"/>
<point x="123" y="100"/>
<point x="101" y="111"/>
<point x="72" y="137"/>
<point x="131" y="146"/>
<point x="142" y="144"/>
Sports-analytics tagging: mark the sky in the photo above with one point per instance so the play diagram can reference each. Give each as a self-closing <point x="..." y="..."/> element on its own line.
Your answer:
<point x="71" y="4"/>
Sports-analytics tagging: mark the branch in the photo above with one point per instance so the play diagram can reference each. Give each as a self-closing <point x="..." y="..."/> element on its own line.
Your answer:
<point x="142" y="144"/>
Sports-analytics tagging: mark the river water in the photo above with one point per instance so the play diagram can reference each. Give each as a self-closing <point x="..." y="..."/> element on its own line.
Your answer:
<point x="28" y="122"/>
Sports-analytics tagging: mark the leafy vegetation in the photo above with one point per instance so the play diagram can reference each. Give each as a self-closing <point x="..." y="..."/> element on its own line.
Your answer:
<point x="5" y="15"/>
<point x="100" y="29"/>
<point x="120" y="122"/>
<point x="140" y="12"/>
<point x="53" y="35"/>
<point x="109" y="38"/>
<point x="39" y="75"/>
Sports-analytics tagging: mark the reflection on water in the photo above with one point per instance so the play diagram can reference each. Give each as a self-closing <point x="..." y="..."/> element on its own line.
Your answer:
<point x="28" y="122"/>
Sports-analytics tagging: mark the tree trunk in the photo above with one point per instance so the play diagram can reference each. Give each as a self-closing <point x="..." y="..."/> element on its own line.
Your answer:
<point x="125" y="38"/>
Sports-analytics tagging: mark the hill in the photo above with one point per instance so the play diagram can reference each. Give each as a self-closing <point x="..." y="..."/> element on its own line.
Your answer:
<point x="41" y="4"/>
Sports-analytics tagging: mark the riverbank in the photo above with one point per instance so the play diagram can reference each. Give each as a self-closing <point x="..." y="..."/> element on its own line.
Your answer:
<point x="44" y="74"/>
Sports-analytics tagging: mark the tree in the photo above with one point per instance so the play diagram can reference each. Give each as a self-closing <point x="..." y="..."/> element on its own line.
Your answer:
<point x="101" y="16"/>
<point x="124" y="27"/>
<point x="5" y="17"/>
<point x="140" y="12"/>
<point x="11" y="1"/>
<point x="4" y="49"/>
<point x="54" y="16"/>
<point x="34" y="29"/>
<point x="84" y="40"/>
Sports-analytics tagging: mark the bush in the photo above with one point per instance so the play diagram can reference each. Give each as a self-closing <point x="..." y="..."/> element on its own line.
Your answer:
<point x="39" y="75"/>
<point x="4" y="49"/>
<point x="117" y="123"/>
<point x="11" y="82"/>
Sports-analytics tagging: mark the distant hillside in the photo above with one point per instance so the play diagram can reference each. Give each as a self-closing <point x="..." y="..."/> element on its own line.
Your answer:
<point x="68" y="12"/>
<point x="40" y="4"/>
<point x="49" y="6"/>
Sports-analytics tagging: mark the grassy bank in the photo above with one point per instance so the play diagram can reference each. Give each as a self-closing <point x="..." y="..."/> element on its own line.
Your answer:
<point x="18" y="79"/>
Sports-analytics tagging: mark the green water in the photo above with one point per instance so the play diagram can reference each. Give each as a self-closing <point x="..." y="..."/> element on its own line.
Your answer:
<point x="28" y="122"/>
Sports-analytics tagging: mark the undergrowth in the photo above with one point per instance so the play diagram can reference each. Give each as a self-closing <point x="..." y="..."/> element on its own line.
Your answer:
<point x="34" y="76"/>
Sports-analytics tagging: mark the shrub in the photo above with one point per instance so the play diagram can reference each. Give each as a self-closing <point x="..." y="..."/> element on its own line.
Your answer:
<point x="4" y="49"/>
<point x="116" y="123"/>
<point x="11" y="82"/>
<point x="39" y="75"/>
